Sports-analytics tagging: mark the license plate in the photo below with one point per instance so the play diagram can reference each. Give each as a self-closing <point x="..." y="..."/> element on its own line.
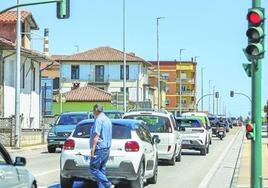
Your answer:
<point x="220" y="133"/>
<point x="186" y="142"/>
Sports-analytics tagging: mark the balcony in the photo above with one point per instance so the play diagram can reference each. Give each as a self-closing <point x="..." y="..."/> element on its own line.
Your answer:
<point x="186" y="106"/>
<point x="185" y="81"/>
<point x="187" y="93"/>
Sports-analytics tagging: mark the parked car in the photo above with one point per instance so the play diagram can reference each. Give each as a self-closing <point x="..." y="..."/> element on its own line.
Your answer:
<point x="114" y="114"/>
<point x="13" y="174"/>
<point x="63" y="128"/>
<point x="162" y="125"/>
<point x="204" y="119"/>
<point x="133" y="158"/>
<point x="194" y="134"/>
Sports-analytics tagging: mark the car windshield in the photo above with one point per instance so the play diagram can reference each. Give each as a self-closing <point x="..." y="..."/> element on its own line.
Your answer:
<point x="71" y="119"/>
<point x="156" y="124"/>
<point x="113" y="115"/>
<point x="118" y="131"/>
<point x="188" y="123"/>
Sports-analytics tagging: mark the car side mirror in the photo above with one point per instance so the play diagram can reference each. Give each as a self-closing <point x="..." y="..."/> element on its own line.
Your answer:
<point x="20" y="161"/>
<point x="156" y="139"/>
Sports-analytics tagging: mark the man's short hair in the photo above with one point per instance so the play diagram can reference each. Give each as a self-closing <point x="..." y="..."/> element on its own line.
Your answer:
<point x="97" y="108"/>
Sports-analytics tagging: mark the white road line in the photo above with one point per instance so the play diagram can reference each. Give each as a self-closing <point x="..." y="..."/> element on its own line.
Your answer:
<point x="47" y="172"/>
<point x="205" y="182"/>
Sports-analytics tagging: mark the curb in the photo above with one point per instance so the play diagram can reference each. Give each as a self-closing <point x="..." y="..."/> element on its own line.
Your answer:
<point x="25" y="149"/>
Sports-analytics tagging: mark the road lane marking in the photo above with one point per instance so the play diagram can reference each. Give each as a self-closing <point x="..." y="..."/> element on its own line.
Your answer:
<point x="47" y="172"/>
<point x="205" y="182"/>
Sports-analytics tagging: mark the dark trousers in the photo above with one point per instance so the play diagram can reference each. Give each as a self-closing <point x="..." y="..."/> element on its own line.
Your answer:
<point x="98" y="167"/>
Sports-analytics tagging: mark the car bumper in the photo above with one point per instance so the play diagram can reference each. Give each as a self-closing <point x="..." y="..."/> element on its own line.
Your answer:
<point x="125" y="171"/>
<point x="192" y="144"/>
<point x="56" y="142"/>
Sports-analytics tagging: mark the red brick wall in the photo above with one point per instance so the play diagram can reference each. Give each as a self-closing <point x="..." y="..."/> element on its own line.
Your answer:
<point x="8" y="31"/>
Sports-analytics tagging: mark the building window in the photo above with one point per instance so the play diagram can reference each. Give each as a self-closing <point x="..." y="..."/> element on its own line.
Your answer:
<point x="183" y="76"/>
<point x="99" y="73"/>
<point x="56" y="83"/>
<point x="167" y="101"/>
<point x="23" y="76"/>
<point x="122" y="89"/>
<point x="165" y="76"/>
<point x="33" y="79"/>
<point x="122" y="72"/>
<point x="75" y="72"/>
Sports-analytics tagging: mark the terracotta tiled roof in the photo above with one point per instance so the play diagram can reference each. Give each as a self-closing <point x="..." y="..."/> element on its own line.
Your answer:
<point x="11" y="17"/>
<point x="8" y="45"/>
<point x="102" y="54"/>
<point x="87" y="94"/>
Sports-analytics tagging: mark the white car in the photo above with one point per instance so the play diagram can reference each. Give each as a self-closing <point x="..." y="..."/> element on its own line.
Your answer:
<point x="204" y="119"/>
<point x="14" y="174"/>
<point x="162" y="125"/>
<point x="194" y="134"/>
<point x="133" y="155"/>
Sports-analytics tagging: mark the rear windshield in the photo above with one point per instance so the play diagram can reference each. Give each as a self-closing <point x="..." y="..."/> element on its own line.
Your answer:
<point x="156" y="124"/>
<point x="119" y="131"/>
<point x="113" y="115"/>
<point x="71" y="119"/>
<point x="188" y="123"/>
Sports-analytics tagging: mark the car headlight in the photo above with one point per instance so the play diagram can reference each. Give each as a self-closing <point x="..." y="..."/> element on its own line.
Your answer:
<point x="50" y="134"/>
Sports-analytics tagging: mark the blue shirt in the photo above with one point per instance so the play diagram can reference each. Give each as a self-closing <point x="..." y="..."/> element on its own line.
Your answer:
<point x="102" y="127"/>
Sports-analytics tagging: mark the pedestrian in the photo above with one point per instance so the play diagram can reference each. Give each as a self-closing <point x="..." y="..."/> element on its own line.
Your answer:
<point x="100" y="143"/>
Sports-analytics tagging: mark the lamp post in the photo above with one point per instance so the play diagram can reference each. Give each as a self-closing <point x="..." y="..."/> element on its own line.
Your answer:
<point x="202" y="88"/>
<point x="158" y="63"/>
<point x="181" y="50"/>
<point x="213" y="104"/>
<point x="209" y="83"/>
<point x="124" y="56"/>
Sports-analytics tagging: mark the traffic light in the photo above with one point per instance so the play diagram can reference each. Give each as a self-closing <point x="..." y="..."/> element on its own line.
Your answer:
<point x="217" y="95"/>
<point x="231" y="93"/>
<point x="250" y="131"/>
<point x="63" y="9"/>
<point x="255" y="33"/>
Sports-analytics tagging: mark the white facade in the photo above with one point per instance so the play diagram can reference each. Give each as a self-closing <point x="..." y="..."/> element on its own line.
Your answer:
<point x="30" y="91"/>
<point x="137" y="83"/>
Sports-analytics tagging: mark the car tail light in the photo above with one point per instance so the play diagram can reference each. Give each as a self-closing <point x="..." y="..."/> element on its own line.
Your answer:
<point x="169" y="147"/>
<point x="168" y="126"/>
<point x="132" y="146"/>
<point x="69" y="144"/>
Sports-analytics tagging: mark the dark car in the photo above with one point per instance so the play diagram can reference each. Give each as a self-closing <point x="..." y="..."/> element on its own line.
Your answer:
<point x="13" y="173"/>
<point x="213" y="122"/>
<point x="114" y="114"/>
<point x="63" y="128"/>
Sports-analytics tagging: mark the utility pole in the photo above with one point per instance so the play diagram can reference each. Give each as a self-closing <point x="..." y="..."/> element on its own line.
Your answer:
<point x="202" y="89"/>
<point x="125" y="56"/>
<point x="158" y="65"/>
<point x="209" y="82"/>
<point x="213" y="100"/>
<point x="180" y="80"/>
<point x="17" y="89"/>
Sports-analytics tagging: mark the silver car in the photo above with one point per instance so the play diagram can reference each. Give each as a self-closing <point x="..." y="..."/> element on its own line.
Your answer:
<point x="13" y="174"/>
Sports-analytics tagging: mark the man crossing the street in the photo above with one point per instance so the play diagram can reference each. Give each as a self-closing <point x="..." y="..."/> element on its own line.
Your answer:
<point x="100" y="143"/>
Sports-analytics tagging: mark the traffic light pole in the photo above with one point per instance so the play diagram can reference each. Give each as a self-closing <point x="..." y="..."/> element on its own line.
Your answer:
<point x="256" y="145"/>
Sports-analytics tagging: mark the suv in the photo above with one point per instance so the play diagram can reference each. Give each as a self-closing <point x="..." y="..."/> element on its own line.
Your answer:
<point x="63" y="128"/>
<point x="164" y="126"/>
<point x="133" y="156"/>
<point x="194" y="134"/>
<point x="204" y="119"/>
<point x="113" y="114"/>
<point x="13" y="174"/>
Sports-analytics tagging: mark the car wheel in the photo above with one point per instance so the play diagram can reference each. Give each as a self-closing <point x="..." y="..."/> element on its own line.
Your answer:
<point x="66" y="182"/>
<point x="178" y="158"/>
<point x="207" y="150"/>
<point x="139" y="182"/>
<point x="210" y="142"/>
<point x="172" y="161"/>
<point x="51" y="149"/>
<point x="34" y="185"/>
<point x="153" y="180"/>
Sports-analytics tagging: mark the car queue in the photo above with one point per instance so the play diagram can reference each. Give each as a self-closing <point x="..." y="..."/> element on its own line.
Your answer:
<point x="140" y="140"/>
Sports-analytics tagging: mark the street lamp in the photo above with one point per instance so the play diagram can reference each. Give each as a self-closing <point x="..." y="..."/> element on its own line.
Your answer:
<point x="209" y="83"/>
<point x="158" y="66"/>
<point x="125" y="57"/>
<point x="181" y="50"/>
<point x="202" y="88"/>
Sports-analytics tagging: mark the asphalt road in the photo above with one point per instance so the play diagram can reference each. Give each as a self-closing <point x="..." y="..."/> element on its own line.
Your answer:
<point x="194" y="171"/>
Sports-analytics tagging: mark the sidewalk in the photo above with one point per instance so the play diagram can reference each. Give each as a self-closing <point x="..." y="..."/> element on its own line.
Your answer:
<point x="243" y="179"/>
<point x="26" y="149"/>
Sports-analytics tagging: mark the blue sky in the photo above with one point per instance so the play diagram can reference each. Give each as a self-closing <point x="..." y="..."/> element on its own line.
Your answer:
<point x="212" y="29"/>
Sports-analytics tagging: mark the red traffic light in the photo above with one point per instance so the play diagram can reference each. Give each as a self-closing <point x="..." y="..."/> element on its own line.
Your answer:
<point x="249" y="127"/>
<point x="254" y="18"/>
